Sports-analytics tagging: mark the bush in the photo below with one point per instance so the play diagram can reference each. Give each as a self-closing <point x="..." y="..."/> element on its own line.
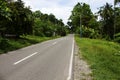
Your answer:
<point x="117" y="37"/>
<point x="89" y="32"/>
<point x="4" y="44"/>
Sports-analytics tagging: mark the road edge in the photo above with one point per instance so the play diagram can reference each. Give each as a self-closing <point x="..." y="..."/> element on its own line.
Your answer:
<point x="71" y="61"/>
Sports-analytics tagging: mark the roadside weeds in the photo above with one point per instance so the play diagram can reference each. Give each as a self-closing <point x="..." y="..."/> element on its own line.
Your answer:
<point x="81" y="70"/>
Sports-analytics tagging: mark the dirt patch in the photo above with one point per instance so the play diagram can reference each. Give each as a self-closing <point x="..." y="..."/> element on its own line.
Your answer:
<point x="81" y="68"/>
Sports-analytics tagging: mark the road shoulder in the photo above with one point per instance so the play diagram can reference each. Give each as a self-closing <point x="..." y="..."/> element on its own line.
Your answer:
<point x="81" y="70"/>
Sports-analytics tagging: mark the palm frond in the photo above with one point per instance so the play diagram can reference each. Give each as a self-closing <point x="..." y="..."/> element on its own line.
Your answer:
<point x="116" y="1"/>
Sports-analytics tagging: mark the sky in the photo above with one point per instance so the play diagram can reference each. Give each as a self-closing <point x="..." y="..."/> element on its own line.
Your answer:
<point x="62" y="8"/>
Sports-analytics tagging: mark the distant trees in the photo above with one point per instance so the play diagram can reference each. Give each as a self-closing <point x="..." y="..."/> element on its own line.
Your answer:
<point x="4" y="16"/>
<point x="106" y="13"/>
<point x="117" y="21"/>
<point x="17" y="19"/>
<point x="110" y="20"/>
<point x="116" y="1"/>
<point x="48" y="25"/>
<point x="82" y="15"/>
<point x="22" y="20"/>
<point x="107" y="26"/>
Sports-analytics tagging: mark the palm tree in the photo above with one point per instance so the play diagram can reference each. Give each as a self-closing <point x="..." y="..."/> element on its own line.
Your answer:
<point x="115" y="3"/>
<point x="106" y="14"/>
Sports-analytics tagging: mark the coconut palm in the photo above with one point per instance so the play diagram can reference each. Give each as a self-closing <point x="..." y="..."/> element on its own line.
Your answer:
<point x="106" y="13"/>
<point x="116" y="2"/>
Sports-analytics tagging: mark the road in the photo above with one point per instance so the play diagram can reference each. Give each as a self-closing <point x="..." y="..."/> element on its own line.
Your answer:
<point x="50" y="60"/>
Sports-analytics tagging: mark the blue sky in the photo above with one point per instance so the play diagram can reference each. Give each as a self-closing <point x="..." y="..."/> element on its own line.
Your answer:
<point x="62" y="8"/>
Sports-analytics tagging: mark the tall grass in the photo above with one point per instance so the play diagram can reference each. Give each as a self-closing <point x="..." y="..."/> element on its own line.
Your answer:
<point x="103" y="57"/>
<point x="7" y="44"/>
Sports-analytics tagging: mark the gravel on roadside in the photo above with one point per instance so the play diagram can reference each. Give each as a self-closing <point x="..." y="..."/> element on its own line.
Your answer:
<point x="81" y="70"/>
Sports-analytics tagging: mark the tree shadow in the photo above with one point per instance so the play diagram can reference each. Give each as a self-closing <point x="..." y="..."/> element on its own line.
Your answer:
<point x="10" y="44"/>
<point x="1" y="77"/>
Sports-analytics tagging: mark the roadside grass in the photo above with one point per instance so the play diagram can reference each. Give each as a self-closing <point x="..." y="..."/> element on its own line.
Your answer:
<point x="102" y="56"/>
<point x="10" y="44"/>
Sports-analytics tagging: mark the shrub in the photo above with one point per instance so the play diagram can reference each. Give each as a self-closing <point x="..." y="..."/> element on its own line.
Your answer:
<point x="4" y="44"/>
<point x="89" y="32"/>
<point x="117" y="37"/>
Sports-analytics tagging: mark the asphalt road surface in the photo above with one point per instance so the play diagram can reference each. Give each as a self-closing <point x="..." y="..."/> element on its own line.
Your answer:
<point x="50" y="60"/>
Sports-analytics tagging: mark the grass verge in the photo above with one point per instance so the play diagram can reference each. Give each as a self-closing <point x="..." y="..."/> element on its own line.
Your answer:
<point x="103" y="57"/>
<point x="13" y="44"/>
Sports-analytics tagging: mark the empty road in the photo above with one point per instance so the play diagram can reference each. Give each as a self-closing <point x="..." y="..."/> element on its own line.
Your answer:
<point x="50" y="60"/>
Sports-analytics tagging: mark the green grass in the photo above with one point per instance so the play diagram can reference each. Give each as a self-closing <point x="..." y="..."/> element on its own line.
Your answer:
<point x="13" y="44"/>
<point x="103" y="57"/>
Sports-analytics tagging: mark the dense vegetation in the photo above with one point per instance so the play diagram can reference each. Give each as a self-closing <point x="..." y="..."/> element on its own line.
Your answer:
<point x="103" y="24"/>
<point x="17" y="22"/>
<point x="7" y="44"/>
<point x="103" y="57"/>
<point x="16" y="19"/>
<point x="20" y="27"/>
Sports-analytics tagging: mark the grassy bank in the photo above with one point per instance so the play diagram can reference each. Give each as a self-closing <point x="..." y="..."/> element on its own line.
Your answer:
<point x="13" y="44"/>
<point x="103" y="57"/>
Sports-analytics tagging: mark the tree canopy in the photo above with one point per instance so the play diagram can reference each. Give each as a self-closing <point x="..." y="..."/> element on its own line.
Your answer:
<point x="17" y="19"/>
<point x="82" y="15"/>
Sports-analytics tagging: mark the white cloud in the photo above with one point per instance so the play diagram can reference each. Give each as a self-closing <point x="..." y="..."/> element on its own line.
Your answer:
<point x="62" y="8"/>
<point x="97" y="4"/>
<point x="60" y="12"/>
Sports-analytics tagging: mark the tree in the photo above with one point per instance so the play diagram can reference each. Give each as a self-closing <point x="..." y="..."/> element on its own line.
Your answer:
<point x="107" y="13"/>
<point x="4" y="16"/>
<point x="116" y="1"/>
<point x="37" y="14"/>
<point x="22" y="20"/>
<point x="48" y="25"/>
<point x="4" y="9"/>
<point x="75" y="17"/>
<point x="52" y="18"/>
<point x="61" y="29"/>
<point x="28" y="22"/>
<point x="17" y="19"/>
<point x="117" y="24"/>
<point x="116" y="20"/>
<point x="82" y="15"/>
